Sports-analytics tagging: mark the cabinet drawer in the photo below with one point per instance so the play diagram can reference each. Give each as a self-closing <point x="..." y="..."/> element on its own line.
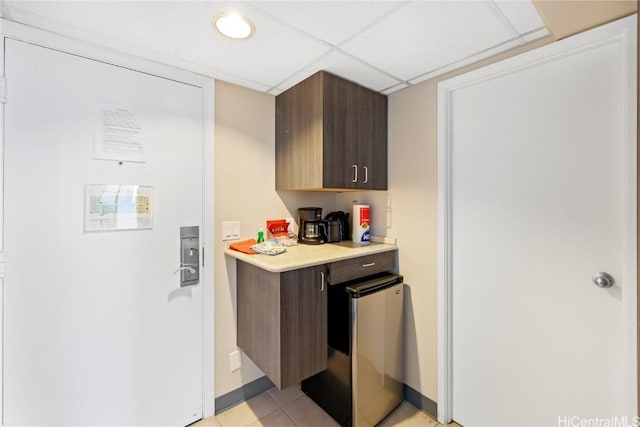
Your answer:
<point x="354" y="268"/>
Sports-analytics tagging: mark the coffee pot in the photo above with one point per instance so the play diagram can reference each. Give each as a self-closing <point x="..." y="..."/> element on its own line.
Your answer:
<point x="339" y="231"/>
<point x="334" y="230"/>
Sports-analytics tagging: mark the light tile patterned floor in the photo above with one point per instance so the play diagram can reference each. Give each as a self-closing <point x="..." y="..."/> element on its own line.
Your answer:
<point x="291" y="408"/>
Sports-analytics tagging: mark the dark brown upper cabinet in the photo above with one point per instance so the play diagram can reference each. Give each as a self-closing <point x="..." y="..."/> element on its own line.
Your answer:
<point x="331" y="135"/>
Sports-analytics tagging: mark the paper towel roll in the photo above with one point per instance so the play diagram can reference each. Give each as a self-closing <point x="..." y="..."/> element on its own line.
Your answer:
<point x="361" y="230"/>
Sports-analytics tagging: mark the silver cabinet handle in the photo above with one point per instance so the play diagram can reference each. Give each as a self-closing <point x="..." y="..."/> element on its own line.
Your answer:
<point x="366" y="175"/>
<point x="355" y="173"/>
<point x="603" y="280"/>
<point x="322" y="281"/>
<point x="371" y="264"/>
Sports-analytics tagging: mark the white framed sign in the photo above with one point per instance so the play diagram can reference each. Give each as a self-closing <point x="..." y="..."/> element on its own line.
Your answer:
<point x="110" y="207"/>
<point x="118" y="135"/>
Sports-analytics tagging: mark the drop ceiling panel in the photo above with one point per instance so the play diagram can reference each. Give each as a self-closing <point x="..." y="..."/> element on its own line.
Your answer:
<point x="522" y="15"/>
<point x="274" y="51"/>
<point x="331" y="21"/>
<point x="220" y="74"/>
<point x="468" y="60"/>
<point x="424" y="36"/>
<point x="157" y="26"/>
<point x="379" y="44"/>
<point x="344" y="66"/>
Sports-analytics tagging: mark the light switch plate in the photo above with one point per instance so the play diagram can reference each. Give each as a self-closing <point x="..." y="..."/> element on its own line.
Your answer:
<point x="230" y="230"/>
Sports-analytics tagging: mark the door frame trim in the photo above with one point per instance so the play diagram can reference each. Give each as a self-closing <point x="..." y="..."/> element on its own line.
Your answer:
<point x="622" y="31"/>
<point x="46" y="39"/>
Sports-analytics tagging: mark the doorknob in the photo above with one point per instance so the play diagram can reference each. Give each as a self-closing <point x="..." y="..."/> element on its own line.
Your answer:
<point x="189" y="259"/>
<point x="189" y="268"/>
<point x="603" y="280"/>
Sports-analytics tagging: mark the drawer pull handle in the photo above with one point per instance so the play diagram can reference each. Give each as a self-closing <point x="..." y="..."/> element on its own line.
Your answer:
<point x="371" y="264"/>
<point x="321" y="281"/>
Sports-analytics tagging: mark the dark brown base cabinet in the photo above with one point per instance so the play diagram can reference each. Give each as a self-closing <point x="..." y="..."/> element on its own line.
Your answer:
<point x="282" y="321"/>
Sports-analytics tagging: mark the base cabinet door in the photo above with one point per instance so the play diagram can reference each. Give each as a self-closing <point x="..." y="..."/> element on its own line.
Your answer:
<point x="282" y="321"/>
<point x="303" y="323"/>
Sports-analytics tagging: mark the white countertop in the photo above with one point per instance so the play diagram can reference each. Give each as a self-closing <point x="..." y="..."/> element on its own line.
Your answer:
<point x="301" y="256"/>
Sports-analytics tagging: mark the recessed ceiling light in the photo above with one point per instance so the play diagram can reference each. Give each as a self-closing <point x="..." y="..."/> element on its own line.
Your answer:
<point x="234" y="26"/>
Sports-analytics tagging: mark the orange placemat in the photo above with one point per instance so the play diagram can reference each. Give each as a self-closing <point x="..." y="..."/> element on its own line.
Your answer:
<point x="244" y="246"/>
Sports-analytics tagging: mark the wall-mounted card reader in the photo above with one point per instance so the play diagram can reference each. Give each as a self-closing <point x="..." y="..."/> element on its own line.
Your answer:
<point x="189" y="256"/>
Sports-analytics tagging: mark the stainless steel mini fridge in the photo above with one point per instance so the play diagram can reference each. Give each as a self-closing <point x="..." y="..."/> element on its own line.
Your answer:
<point x="363" y="380"/>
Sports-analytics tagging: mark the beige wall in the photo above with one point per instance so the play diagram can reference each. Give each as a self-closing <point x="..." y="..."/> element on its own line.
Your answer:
<point x="567" y="17"/>
<point x="244" y="191"/>
<point x="413" y="188"/>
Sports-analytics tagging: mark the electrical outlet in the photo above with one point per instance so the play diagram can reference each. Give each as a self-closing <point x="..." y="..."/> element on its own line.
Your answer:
<point x="235" y="361"/>
<point x="230" y="230"/>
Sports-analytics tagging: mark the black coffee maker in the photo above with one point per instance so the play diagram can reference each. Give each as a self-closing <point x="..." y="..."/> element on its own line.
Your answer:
<point x="311" y="228"/>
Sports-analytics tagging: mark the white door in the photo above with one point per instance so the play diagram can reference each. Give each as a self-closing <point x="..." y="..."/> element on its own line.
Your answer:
<point x="97" y="330"/>
<point x="541" y="164"/>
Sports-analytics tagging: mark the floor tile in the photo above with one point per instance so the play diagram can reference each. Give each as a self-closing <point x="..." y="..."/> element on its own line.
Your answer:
<point x="407" y="415"/>
<point x="275" y="419"/>
<point x="286" y="396"/>
<point x="297" y="410"/>
<point x="246" y="413"/>
<point x="207" y="422"/>
<point x="305" y="413"/>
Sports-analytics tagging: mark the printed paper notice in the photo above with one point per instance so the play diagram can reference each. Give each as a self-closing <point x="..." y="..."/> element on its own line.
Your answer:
<point x="118" y="135"/>
<point x="118" y="207"/>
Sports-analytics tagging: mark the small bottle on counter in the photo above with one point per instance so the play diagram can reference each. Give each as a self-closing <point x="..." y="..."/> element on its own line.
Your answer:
<point x="260" y="238"/>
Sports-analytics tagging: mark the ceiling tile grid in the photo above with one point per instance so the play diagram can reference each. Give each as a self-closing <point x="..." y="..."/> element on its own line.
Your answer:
<point x="459" y="63"/>
<point x="331" y="21"/>
<point x="383" y="45"/>
<point x="343" y="65"/>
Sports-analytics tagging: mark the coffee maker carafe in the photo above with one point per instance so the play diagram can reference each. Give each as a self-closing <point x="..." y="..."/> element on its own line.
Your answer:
<point x="311" y="228"/>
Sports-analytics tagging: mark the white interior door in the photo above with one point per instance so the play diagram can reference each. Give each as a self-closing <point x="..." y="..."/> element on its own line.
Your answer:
<point x="96" y="327"/>
<point x="541" y="164"/>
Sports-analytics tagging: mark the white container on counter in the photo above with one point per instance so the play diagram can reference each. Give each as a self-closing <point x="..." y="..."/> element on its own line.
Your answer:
<point x="361" y="229"/>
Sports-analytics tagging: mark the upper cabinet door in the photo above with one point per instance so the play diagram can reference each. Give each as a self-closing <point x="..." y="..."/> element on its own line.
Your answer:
<point x="331" y="134"/>
<point x="367" y="140"/>
<point x="339" y="140"/>
<point x="376" y="162"/>
<point x="299" y="136"/>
